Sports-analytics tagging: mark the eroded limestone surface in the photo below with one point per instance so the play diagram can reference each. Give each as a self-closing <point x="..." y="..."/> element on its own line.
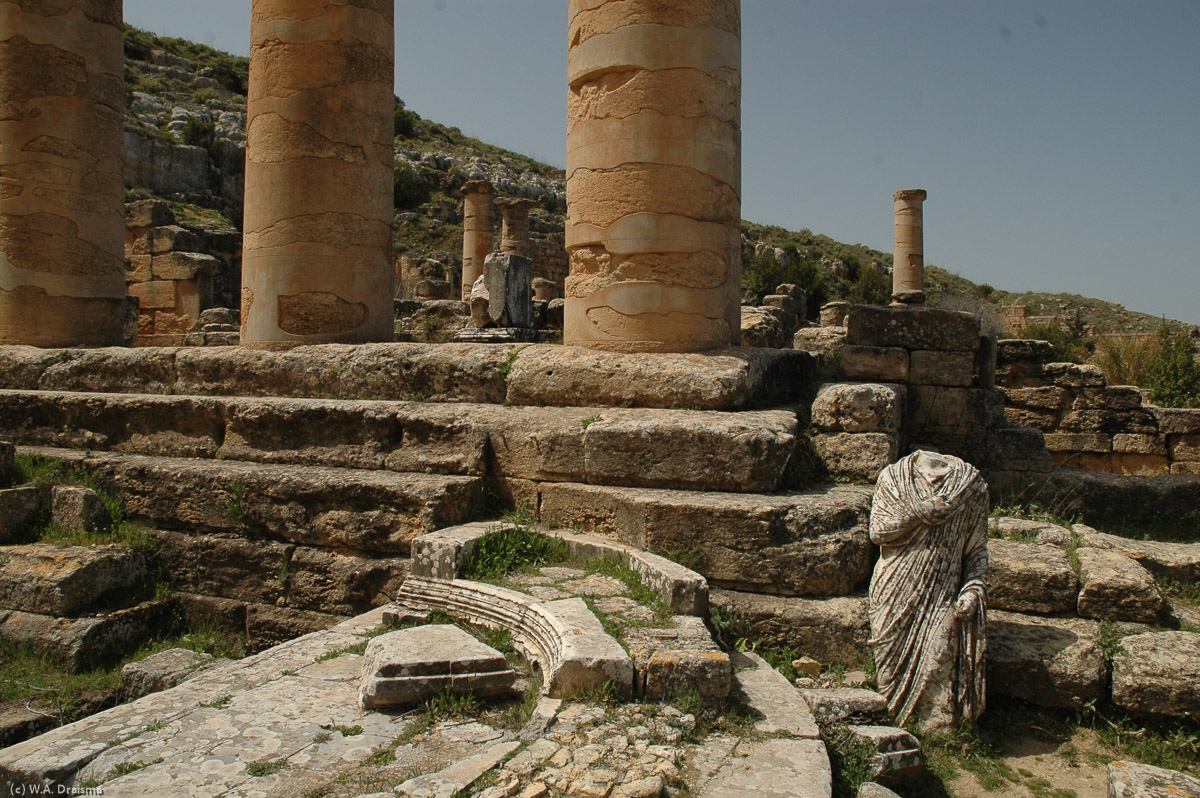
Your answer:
<point x="654" y="176"/>
<point x="62" y="230"/>
<point x="317" y="265"/>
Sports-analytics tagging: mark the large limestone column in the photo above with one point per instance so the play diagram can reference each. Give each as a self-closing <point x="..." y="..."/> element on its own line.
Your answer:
<point x="908" y="265"/>
<point x="477" y="232"/>
<point x="654" y="175"/>
<point x="62" y="154"/>
<point x="317" y="260"/>
<point x="514" y="233"/>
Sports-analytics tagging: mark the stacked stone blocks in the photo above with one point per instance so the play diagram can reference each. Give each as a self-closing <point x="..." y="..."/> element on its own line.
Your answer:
<point x="1091" y="425"/>
<point x="168" y="272"/>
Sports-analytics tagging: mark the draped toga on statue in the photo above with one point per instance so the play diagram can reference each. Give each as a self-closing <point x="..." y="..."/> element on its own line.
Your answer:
<point x="929" y="591"/>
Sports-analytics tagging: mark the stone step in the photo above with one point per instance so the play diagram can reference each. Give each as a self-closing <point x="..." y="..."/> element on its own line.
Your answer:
<point x="807" y="543"/>
<point x="356" y="509"/>
<point x="89" y="641"/>
<point x="522" y="374"/>
<point x="69" y="580"/>
<point x="695" y="450"/>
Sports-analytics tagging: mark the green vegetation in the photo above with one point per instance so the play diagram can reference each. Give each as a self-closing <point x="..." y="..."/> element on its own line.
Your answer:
<point x="510" y="547"/>
<point x="260" y="769"/>
<point x="218" y="703"/>
<point x="1172" y="375"/>
<point x="230" y="71"/>
<point x="851" y="759"/>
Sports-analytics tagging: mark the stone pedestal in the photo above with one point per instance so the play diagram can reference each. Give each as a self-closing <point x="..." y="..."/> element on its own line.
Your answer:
<point x="654" y="175"/>
<point x="514" y="235"/>
<point x="477" y="232"/>
<point x="908" y="267"/>
<point x="317" y="265"/>
<point x="62" y="154"/>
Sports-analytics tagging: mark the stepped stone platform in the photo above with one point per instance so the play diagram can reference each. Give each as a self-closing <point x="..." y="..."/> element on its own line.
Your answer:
<point x="699" y="450"/>
<point x="367" y="510"/>
<point x="731" y="379"/>
<point x="65" y="581"/>
<point x="805" y="543"/>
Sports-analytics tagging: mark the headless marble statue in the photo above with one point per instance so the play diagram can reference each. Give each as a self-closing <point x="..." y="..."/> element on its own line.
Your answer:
<point x="929" y="589"/>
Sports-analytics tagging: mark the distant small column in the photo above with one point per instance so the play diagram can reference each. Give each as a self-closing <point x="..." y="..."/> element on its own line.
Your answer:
<point x="477" y="232"/>
<point x="908" y="266"/>
<point x="654" y="175"/>
<point x="62" y="155"/>
<point x="514" y="236"/>
<point x="317" y="264"/>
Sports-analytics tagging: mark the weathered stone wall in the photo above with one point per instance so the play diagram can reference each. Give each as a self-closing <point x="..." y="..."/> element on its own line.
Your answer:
<point x="1089" y="424"/>
<point x="61" y="134"/>
<point x="654" y="175"/>
<point x="319" y="172"/>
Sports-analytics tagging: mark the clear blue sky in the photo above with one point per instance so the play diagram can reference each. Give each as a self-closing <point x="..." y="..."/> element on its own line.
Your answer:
<point x="1059" y="141"/>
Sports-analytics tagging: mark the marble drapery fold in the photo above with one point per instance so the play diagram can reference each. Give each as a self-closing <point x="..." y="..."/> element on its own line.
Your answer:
<point x="929" y="591"/>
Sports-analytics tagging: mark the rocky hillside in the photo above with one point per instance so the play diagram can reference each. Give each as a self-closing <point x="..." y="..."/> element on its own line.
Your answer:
<point x="185" y="142"/>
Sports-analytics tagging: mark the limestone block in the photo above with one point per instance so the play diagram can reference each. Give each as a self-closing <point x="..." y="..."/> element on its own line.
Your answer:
<point x="1178" y="561"/>
<point x="828" y="629"/>
<point x="1177" y="421"/>
<point x="161" y="671"/>
<point x="376" y="511"/>
<point x="459" y="776"/>
<point x="144" y="214"/>
<point x="1018" y="449"/>
<point x="137" y="268"/>
<point x="21" y="509"/>
<point x="1158" y="673"/>
<point x="169" y="238"/>
<point x="1135" y="780"/>
<point x="62" y="232"/>
<point x="78" y="509"/>
<point x="82" y="644"/>
<point x="811" y="543"/>
<point x="1073" y="375"/>
<point x="846" y="705"/>
<point x="183" y="266"/>
<point x="763" y="327"/>
<point x="1028" y="577"/>
<point x="317" y="265"/>
<point x="898" y="754"/>
<point x="857" y="455"/>
<point x="1115" y="587"/>
<point x="1053" y="662"/>
<point x="728" y="380"/>
<point x="269" y="625"/>
<point x="1184" y="447"/>
<point x="668" y="666"/>
<point x="411" y="665"/>
<point x="870" y="789"/>
<point x="1050" y="397"/>
<point x="820" y="340"/>
<point x="1043" y="532"/>
<point x="1024" y="350"/>
<point x="858" y="407"/>
<point x="833" y="314"/>
<point x="934" y="408"/>
<point x="913" y="328"/>
<point x="956" y="369"/>
<point x="653" y="181"/>
<point x="65" y="581"/>
<point x="769" y="695"/>
<point x="226" y="567"/>
<point x="774" y="769"/>
<point x="1140" y="465"/>
<point x="1126" y="443"/>
<point x="154" y="294"/>
<point x="874" y="364"/>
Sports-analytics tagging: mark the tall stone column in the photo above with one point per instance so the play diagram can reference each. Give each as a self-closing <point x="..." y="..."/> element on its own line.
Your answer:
<point x="908" y="265"/>
<point x="317" y="258"/>
<point x="477" y="232"/>
<point x="654" y="175"/>
<point x="62" y="155"/>
<point x="514" y="234"/>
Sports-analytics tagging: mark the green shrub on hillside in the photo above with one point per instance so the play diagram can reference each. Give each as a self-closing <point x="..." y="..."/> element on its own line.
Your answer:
<point x="1172" y="375"/>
